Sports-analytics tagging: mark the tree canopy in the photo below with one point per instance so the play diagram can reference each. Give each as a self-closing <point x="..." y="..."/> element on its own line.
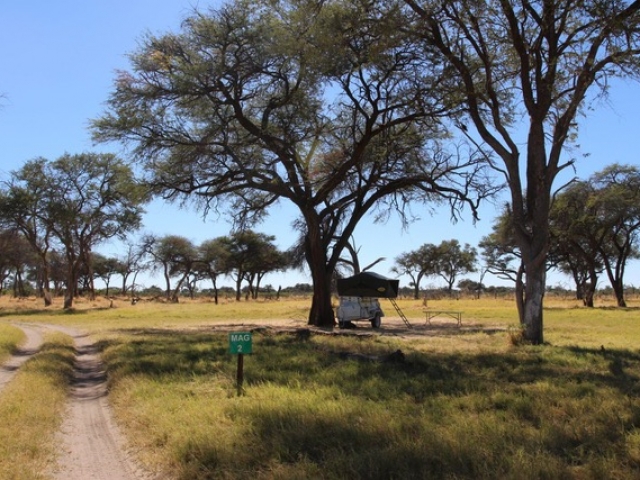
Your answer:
<point x="327" y="105"/>
<point x="75" y="203"/>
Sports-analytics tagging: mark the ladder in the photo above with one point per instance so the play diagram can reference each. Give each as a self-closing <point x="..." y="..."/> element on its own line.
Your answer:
<point x="400" y="312"/>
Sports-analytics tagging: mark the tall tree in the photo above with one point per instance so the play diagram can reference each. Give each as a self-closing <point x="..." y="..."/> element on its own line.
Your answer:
<point x="21" y="208"/>
<point x="78" y="200"/>
<point x="528" y="66"/>
<point x="91" y="198"/>
<point x="321" y="104"/>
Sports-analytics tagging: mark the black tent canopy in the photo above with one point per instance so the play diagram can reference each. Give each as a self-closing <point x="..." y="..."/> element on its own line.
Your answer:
<point x="368" y="284"/>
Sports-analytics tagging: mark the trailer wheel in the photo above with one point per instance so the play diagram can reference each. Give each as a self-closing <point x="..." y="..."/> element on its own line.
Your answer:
<point x="376" y="321"/>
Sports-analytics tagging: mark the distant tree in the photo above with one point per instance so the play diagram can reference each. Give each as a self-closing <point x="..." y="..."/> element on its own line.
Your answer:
<point x="210" y="257"/>
<point x="175" y="256"/>
<point x="129" y="265"/>
<point x="326" y="106"/>
<point x="21" y="207"/>
<point x="618" y="206"/>
<point x="105" y="268"/>
<point x="416" y="264"/>
<point x="58" y="271"/>
<point x="600" y="218"/>
<point x="267" y="258"/>
<point x="502" y="256"/>
<point x="247" y="256"/>
<point x="574" y="249"/>
<point x="527" y="68"/>
<point x="82" y="201"/>
<point x="17" y="258"/>
<point x="451" y="260"/>
<point x="471" y="286"/>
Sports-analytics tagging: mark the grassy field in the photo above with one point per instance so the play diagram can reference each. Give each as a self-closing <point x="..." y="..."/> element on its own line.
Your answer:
<point x="459" y="402"/>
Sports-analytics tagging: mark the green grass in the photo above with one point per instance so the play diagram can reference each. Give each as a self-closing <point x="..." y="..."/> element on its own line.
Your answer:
<point x="550" y="412"/>
<point x="10" y="338"/>
<point x="465" y="403"/>
<point x="31" y="409"/>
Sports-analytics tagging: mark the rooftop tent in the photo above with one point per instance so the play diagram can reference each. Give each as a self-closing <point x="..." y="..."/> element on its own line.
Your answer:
<point x="368" y="284"/>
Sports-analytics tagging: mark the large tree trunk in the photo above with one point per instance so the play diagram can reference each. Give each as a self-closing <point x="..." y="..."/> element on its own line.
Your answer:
<point x="618" y="290"/>
<point x="46" y="273"/>
<point x="321" y="313"/>
<point x="531" y="222"/>
<point x="533" y="297"/>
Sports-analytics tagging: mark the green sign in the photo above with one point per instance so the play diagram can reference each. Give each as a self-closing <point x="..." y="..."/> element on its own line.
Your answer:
<point x="240" y="343"/>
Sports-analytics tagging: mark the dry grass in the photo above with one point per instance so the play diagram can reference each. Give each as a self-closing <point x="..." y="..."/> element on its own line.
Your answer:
<point x="465" y="403"/>
<point x="31" y="409"/>
<point x="10" y="338"/>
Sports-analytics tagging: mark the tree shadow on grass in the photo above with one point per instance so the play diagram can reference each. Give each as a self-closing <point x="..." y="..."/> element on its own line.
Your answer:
<point x="504" y="395"/>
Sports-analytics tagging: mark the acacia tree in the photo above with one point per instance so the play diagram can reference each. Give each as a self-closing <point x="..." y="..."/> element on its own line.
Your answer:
<point x="175" y="256"/>
<point x="210" y="255"/>
<point x="416" y="264"/>
<point x="82" y="200"/>
<point x="321" y="104"/>
<point x="91" y="198"/>
<point x="104" y="268"/>
<point x="266" y="258"/>
<point x="574" y="241"/>
<point x="21" y="208"/>
<point x="130" y="264"/>
<point x="17" y="258"/>
<point x="528" y="65"/>
<point x="451" y="260"/>
<point x="247" y="256"/>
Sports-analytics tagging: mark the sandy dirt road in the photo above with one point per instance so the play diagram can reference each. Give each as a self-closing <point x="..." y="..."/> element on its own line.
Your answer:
<point x="90" y="445"/>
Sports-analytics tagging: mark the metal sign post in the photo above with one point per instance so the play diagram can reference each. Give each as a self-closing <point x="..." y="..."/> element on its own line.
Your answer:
<point x="240" y="343"/>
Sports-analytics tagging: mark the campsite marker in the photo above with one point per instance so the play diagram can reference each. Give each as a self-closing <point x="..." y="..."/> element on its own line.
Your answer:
<point x="239" y="344"/>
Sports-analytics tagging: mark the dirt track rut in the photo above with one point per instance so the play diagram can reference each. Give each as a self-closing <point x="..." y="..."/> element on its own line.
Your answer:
<point x="89" y="442"/>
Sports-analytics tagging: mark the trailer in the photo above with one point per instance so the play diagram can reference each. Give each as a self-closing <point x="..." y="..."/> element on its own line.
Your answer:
<point x="359" y="296"/>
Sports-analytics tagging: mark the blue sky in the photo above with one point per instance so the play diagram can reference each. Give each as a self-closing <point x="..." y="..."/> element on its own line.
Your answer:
<point x="57" y="65"/>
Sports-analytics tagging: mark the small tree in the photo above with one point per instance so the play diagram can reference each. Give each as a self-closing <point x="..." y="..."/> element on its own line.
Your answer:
<point x="175" y="256"/>
<point x="416" y="264"/>
<point x="452" y="260"/>
<point x="248" y="256"/>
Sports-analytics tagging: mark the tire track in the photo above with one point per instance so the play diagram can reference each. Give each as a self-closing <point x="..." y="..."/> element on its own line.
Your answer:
<point x="91" y="445"/>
